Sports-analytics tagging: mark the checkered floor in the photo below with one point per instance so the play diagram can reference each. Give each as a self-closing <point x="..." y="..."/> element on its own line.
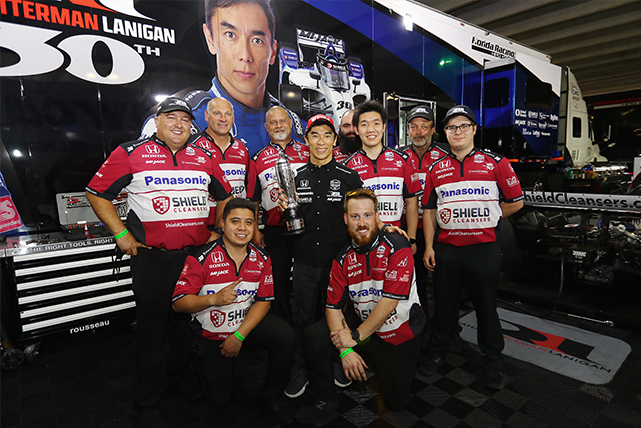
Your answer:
<point x="84" y="381"/>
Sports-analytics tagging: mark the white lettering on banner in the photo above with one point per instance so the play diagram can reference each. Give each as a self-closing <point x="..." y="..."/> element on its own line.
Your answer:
<point x="37" y="57"/>
<point x="625" y="203"/>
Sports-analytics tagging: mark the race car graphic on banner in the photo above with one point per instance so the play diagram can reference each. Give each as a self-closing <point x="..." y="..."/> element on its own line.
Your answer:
<point x="326" y="79"/>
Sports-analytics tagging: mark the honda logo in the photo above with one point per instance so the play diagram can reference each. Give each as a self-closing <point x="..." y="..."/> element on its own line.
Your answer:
<point x="152" y="149"/>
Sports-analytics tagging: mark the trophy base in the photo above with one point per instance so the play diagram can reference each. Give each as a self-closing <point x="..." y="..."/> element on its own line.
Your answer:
<point x="294" y="227"/>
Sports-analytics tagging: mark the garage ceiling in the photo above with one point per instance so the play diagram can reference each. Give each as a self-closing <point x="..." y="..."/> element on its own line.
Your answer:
<point x="600" y="40"/>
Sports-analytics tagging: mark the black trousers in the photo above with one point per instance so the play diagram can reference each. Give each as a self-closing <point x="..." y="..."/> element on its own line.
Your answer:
<point x="310" y="295"/>
<point x="279" y="248"/>
<point x="217" y="372"/>
<point x="477" y="268"/>
<point x="163" y="340"/>
<point x="395" y="366"/>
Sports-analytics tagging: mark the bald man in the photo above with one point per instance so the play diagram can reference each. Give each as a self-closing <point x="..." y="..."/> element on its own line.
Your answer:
<point x="231" y="154"/>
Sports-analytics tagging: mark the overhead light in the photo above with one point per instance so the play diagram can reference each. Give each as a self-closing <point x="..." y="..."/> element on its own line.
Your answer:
<point x="408" y="22"/>
<point x="17" y="153"/>
<point x="160" y="98"/>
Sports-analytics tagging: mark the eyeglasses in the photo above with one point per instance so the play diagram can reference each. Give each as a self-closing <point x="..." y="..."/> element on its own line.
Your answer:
<point x="463" y="128"/>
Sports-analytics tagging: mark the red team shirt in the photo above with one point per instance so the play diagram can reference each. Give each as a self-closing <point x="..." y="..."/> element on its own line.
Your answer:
<point x="338" y="155"/>
<point x="209" y="271"/>
<point x="386" y="270"/>
<point x="391" y="178"/>
<point x="234" y="163"/>
<point x="467" y="195"/>
<point x="167" y="192"/>
<point x="262" y="185"/>
<point x="421" y="166"/>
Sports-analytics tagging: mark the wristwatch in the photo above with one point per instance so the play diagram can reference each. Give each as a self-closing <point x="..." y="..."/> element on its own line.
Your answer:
<point x="356" y="336"/>
<point x="412" y="241"/>
<point x="219" y="230"/>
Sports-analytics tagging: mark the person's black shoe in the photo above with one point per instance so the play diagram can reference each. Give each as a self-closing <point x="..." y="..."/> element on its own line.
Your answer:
<point x="430" y="365"/>
<point x="296" y="385"/>
<point x="150" y="417"/>
<point x="339" y="376"/>
<point x="315" y="409"/>
<point x="493" y="378"/>
<point x="278" y="408"/>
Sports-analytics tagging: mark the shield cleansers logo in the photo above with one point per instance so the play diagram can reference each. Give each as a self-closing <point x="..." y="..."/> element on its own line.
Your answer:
<point x="273" y="194"/>
<point x="217" y="318"/>
<point x="446" y="215"/>
<point x="161" y="204"/>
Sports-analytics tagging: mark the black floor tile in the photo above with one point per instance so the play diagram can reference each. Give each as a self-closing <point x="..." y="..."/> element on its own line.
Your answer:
<point x="84" y="381"/>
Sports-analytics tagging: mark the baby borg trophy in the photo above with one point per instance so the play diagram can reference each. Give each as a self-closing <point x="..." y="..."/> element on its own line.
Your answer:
<point x="291" y="214"/>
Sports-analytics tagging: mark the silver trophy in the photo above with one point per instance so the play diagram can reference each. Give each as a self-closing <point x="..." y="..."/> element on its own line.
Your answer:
<point x="291" y="214"/>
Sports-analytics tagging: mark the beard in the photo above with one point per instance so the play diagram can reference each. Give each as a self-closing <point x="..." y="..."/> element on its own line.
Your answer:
<point x="361" y="240"/>
<point x="280" y="135"/>
<point x="421" y="141"/>
<point x="349" y="144"/>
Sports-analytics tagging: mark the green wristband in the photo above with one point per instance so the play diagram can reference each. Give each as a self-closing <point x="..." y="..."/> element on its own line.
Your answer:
<point x="239" y="336"/>
<point x="121" y="234"/>
<point x="346" y="352"/>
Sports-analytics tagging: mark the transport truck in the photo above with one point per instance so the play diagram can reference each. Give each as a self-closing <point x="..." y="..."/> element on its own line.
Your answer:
<point x="80" y="77"/>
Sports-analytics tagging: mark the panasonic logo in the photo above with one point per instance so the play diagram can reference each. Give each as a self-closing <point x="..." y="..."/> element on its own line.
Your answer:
<point x="172" y="181"/>
<point x="384" y="186"/>
<point x="235" y="172"/>
<point x="465" y="191"/>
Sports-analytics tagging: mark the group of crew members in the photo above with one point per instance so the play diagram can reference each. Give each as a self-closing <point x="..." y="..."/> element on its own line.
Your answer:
<point x="345" y="298"/>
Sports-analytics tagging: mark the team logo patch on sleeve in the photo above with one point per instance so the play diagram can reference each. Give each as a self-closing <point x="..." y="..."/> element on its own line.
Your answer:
<point x="446" y="215"/>
<point x="217" y="318"/>
<point x="273" y="194"/>
<point x="161" y="204"/>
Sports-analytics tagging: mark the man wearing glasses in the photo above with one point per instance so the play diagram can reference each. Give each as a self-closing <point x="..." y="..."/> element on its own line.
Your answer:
<point x="466" y="193"/>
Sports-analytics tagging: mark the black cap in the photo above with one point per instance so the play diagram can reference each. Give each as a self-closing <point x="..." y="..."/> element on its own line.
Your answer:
<point x="421" y="111"/>
<point x="174" y="104"/>
<point x="459" y="111"/>
<point x="320" y="119"/>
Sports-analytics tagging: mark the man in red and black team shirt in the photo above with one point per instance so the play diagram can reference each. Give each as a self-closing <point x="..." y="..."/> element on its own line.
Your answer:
<point x="262" y="187"/>
<point x="422" y="152"/>
<point x="384" y="170"/>
<point x="168" y="181"/>
<point x="375" y="272"/>
<point x="227" y="286"/>
<point x="467" y="192"/>
<point x="231" y="154"/>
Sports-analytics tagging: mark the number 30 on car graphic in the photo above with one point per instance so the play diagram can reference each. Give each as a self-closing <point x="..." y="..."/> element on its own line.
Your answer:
<point x="316" y="76"/>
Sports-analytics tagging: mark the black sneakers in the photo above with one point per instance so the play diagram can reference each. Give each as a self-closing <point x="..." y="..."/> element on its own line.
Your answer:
<point x="315" y="409"/>
<point x="296" y="385"/>
<point x="493" y="378"/>
<point x="339" y="376"/>
<point x="430" y="365"/>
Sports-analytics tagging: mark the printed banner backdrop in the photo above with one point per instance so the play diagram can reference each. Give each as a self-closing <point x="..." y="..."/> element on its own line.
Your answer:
<point x="570" y="351"/>
<point x="80" y="77"/>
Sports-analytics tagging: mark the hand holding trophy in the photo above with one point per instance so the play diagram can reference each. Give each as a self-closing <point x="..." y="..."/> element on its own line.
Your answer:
<point x="292" y="215"/>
